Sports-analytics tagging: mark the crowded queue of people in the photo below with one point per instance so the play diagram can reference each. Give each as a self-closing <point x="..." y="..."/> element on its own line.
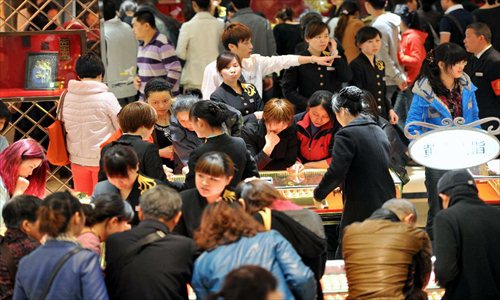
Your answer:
<point x="146" y="236"/>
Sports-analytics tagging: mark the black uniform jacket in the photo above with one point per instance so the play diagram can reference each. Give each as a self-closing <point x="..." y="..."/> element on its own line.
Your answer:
<point x="141" y="185"/>
<point x="360" y="161"/>
<point x="371" y="78"/>
<point x="244" y="164"/>
<point x="161" y="270"/>
<point x="485" y="74"/>
<point x="284" y="154"/>
<point x="150" y="163"/>
<point x="247" y="102"/>
<point x="300" y="82"/>
<point x="193" y="205"/>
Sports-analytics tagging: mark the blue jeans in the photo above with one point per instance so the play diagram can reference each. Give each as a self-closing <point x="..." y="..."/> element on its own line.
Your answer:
<point x="432" y="177"/>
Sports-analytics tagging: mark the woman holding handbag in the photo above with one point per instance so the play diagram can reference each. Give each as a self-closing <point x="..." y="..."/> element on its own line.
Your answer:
<point x="61" y="268"/>
<point x="89" y="112"/>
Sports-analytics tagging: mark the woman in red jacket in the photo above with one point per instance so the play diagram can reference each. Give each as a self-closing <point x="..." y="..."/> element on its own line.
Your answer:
<point x="315" y="130"/>
<point x="412" y="54"/>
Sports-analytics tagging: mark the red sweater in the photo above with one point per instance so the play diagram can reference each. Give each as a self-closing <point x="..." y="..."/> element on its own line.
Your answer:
<point x="412" y="52"/>
<point x="317" y="147"/>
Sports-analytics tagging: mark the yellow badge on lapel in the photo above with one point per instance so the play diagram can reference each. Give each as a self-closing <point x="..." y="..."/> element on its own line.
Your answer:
<point x="379" y="64"/>
<point x="469" y="105"/>
<point x="249" y="89"/>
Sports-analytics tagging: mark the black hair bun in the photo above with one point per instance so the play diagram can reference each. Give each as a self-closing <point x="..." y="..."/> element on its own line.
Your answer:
<point x="353" y="93"/>
<point x="219" y="110"/>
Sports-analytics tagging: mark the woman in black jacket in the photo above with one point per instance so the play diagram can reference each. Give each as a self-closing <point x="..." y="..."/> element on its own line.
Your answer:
<point x="369" y="71"/>
<point x="299" y="83"/>
<point x="360" y="161"/>
<point x="207" y="118"/>
<point x="242" y="96"/>
<point x="214" y="171"/>
<point x="272" y="141"/>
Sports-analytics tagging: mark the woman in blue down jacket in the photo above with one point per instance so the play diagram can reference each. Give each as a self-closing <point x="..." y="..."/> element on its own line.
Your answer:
<point x="80" y="277"/>
<point x="442" y="90"/>
<point x="231" y="238"/>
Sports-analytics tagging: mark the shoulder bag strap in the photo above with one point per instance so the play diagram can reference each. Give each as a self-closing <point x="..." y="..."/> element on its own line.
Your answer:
<point x="57" y="268"/>
<point x="60" y="105"/>
<point x="137" y="246"/>
<point x="266" y="218"/>
<point x="6" y="256"/>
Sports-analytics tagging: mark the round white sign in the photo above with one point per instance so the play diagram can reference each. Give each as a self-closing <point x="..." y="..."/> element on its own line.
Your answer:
<point x="454" y="148"/>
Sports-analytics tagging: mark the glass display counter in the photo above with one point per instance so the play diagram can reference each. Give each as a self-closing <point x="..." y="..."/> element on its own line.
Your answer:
<point x="487" y="177"/>
<point x="299" y="188"/>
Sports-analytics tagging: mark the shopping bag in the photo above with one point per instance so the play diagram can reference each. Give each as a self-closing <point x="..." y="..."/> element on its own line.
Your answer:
<point x="57" y="153"/>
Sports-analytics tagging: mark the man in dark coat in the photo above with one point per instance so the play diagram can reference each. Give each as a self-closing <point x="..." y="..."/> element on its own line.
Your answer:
<point x="466" y="240"/>
<point x="138" y="267"/>
<point x="484" y="69"/>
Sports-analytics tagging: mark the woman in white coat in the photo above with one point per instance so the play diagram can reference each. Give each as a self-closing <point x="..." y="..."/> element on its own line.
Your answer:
<point x="90" y="117"/>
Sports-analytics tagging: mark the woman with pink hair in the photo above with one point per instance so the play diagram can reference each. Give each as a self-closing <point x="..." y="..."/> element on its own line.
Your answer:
<point x="23" y="170"/>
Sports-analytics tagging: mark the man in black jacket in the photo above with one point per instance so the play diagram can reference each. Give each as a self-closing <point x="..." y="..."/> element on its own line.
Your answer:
<point x="484" y="69"/>
<point x="148" y="262"/>
<point x="466" y="240"/>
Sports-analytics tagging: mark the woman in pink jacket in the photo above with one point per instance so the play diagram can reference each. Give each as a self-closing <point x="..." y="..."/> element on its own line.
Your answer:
<point x="89" y="114"/>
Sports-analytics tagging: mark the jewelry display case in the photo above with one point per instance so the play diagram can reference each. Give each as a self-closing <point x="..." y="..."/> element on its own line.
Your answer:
<point x="38" y="64"/>
<point x="299" y="187"/>
<point x="487" y="177"/>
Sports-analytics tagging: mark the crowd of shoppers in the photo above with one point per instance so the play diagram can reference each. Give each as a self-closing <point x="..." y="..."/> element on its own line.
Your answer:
<point x="346" y="90"/>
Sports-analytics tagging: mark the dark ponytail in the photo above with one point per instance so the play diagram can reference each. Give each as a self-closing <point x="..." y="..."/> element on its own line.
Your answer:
<point x="56" y="213"/>
<point x="448" y="53"/>
<point x="105" y="207"/>
<point x="214" y="113"/>
<point x="346" y="10"/>
<point x="350" y="98"/>
<point x="285" y="14"/>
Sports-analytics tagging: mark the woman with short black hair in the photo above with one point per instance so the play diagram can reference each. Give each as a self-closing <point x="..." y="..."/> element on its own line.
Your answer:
<point x="369" y="71"/>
